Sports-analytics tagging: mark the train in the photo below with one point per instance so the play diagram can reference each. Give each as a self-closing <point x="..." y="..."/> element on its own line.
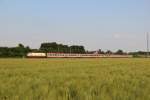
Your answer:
<point x="74" y="55"/>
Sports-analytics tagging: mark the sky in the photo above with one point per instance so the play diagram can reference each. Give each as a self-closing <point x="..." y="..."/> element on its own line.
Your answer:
<point x="96" y="24"/>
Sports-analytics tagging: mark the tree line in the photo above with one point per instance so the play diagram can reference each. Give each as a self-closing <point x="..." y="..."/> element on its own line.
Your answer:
<point x="53" y="47"/>
<point x="19" y="51"/>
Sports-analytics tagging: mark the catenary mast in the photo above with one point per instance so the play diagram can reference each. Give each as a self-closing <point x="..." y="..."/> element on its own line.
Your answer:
<point x="147" y="36"/>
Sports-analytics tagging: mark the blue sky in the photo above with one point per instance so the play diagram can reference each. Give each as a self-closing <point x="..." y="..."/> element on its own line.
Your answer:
<point x="105" y="24"/>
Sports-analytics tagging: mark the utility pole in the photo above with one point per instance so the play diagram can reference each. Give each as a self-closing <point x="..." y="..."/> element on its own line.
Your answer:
<point x="147" y="37"/>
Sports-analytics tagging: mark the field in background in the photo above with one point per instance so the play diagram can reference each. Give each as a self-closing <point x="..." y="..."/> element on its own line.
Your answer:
<point x="75" y="79"/>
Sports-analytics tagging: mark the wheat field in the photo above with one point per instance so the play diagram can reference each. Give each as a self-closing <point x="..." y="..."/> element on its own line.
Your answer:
<point x="75" y="79"/>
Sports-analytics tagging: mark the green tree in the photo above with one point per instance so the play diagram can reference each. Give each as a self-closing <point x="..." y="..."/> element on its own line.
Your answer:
<point x="120" y="52"/>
